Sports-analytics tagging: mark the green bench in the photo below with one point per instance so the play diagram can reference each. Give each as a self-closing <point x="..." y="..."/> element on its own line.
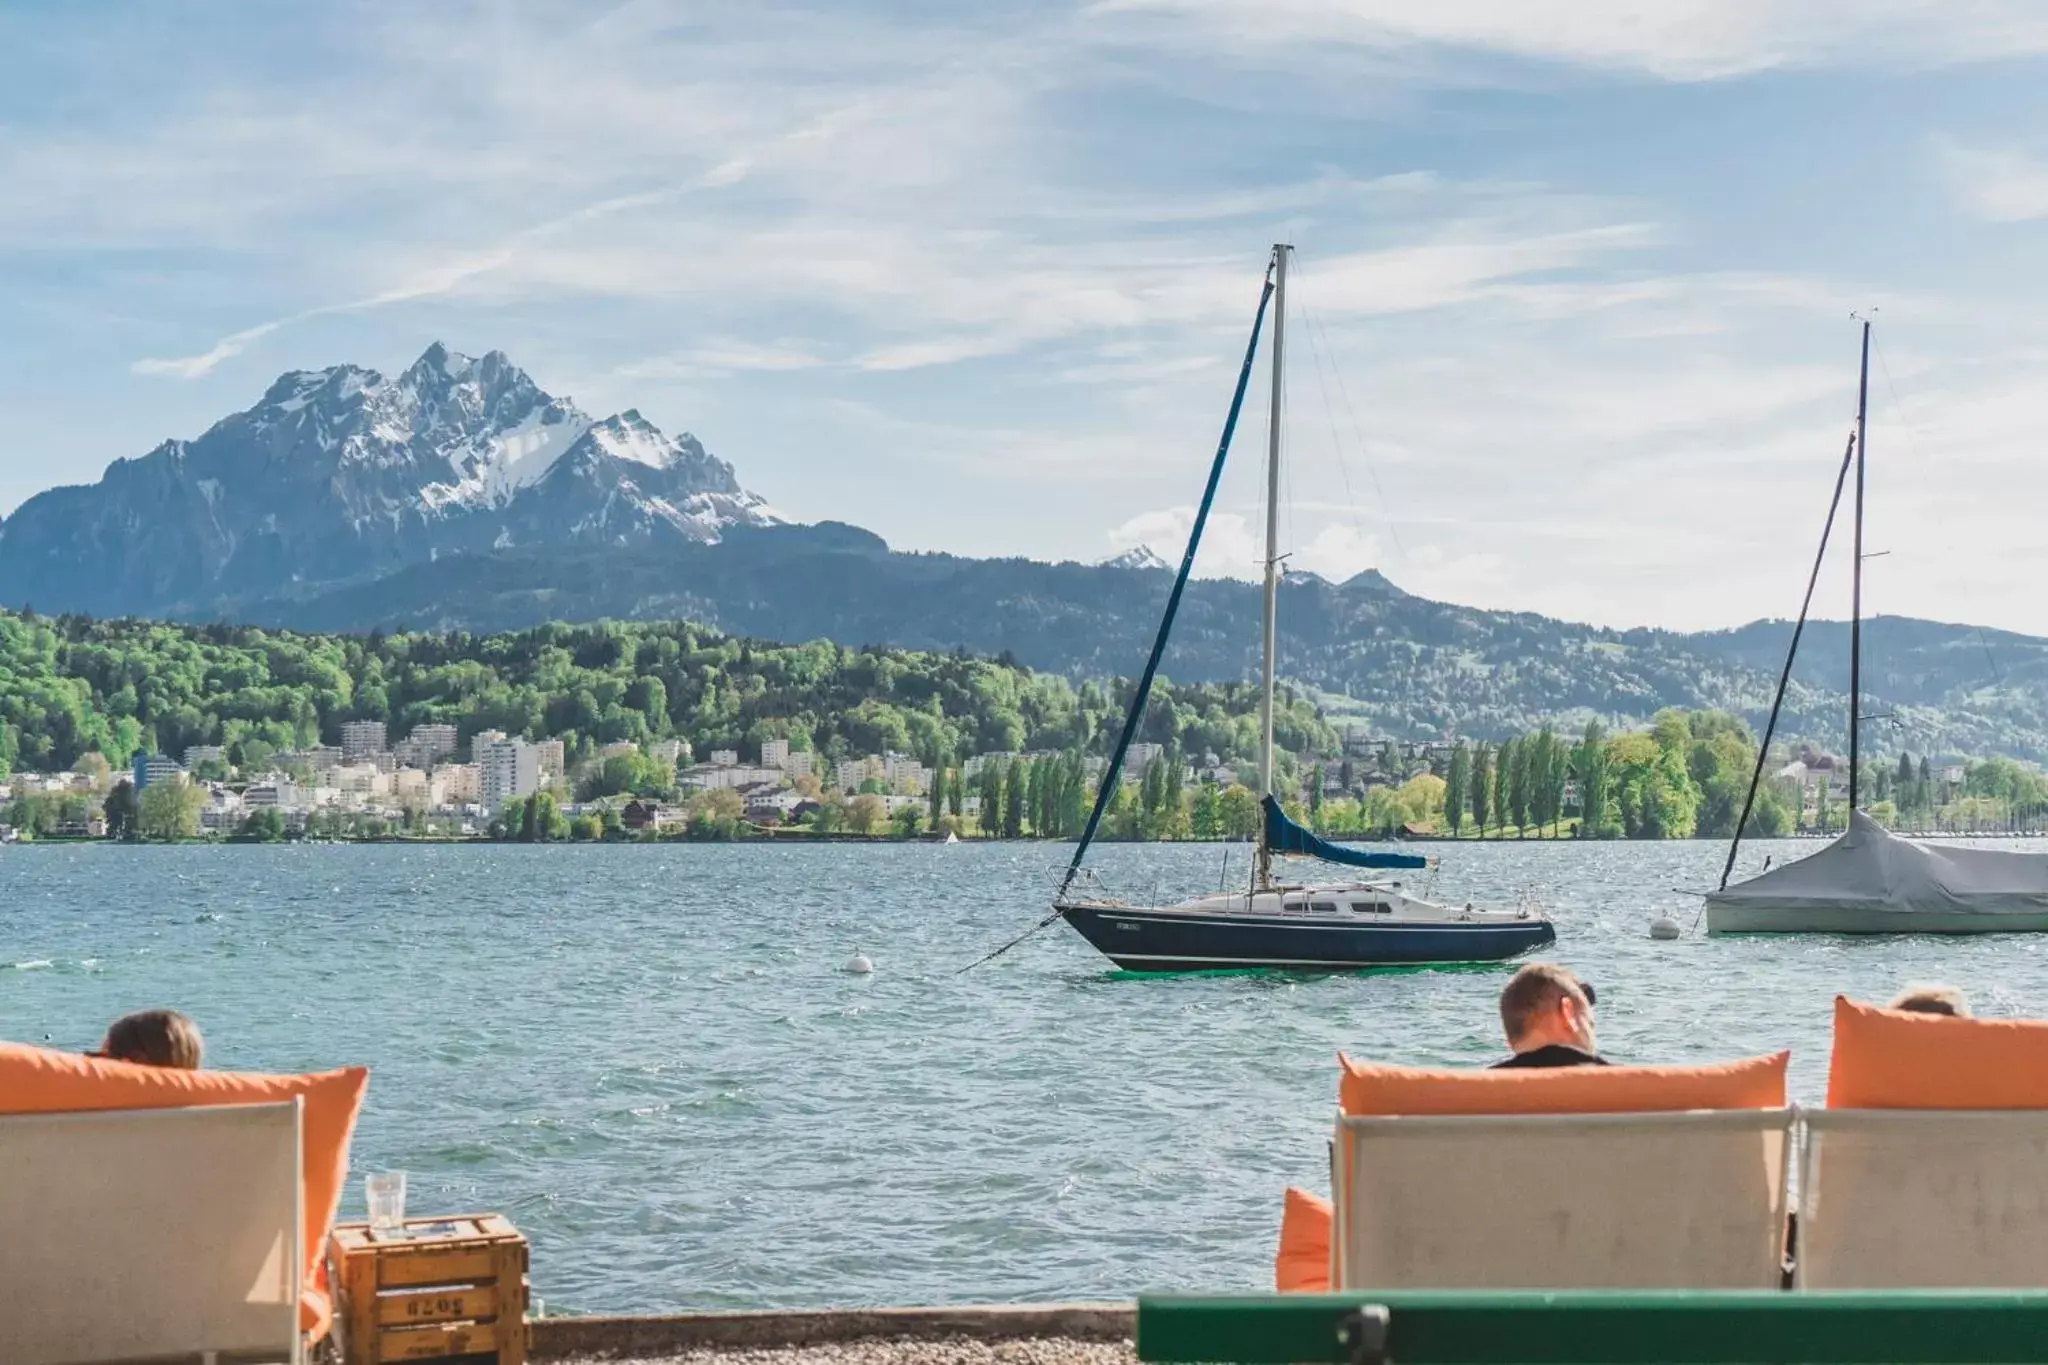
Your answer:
<point x="1601" y="1327"/>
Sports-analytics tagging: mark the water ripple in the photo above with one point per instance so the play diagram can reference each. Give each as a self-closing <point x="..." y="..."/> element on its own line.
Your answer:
<point x="650" y="1059"/>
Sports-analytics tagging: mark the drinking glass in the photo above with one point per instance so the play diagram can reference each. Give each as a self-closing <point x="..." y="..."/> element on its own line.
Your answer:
<point x="385" y="1193"/>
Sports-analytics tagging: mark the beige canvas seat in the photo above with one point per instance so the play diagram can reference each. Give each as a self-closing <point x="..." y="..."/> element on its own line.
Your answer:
<point x="1686" y="1200"/>
<point x="1923" y="1199"/>
<point x="151" y="1234"/>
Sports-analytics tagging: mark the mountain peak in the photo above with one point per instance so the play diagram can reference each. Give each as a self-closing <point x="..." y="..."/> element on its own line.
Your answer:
<point x="1372" y="580"/>
<point x="1137" y="557"/>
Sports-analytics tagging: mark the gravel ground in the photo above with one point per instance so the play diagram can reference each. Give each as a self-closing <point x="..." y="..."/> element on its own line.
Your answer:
<point x="952" y="1351"/>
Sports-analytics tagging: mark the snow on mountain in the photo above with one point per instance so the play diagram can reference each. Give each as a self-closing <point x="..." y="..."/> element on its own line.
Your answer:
<point x="343" y="472"/>
<point x="1137" y="557"/>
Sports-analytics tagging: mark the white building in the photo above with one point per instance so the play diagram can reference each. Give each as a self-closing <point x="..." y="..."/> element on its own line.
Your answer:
<point x="457" y="784"/>
<point x="1139" y="754"/>
<point x="709" y="776"/>
<point x="665" y="750"/>
<point x="362" y="738"/>
<point x="434" y="741"/>
<point x="854" y="771"/>
<point x="554" y="760"/>
<point x="905" y="775"/>
<point x="618" y="748"/>
<point x="426" y="746"/>
<point x="280" y="791"/>
<point x="725" y="758"/>
<point x="775" y="754"/>
<point x="319" y="757"/>
<point x="196" y="754"/>
<point x="507" y="769"/>
<point x="151" y="768"/>
<point x="800" y="763"/>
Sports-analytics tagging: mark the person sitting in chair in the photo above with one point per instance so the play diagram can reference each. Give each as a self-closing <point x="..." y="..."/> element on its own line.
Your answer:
<point x="1547" y="1013"/>
<point x="1933" y="1000"/>
<point x="155" y="1038"/>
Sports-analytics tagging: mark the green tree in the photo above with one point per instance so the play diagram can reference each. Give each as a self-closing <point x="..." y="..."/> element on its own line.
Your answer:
<point x="263" y="826"/>
<point x="1590" y="764"/>
<point x="1013" y="801"/>
<point x="1455" y="785"/>
<point x="1509" y="795"/>
<point x="864" y="813"/>
<point x="1240" y="811"/>
<point x="991" y="813"/>
<point x="120" y="810"/>
<point x="1482" y="787"/>
<point x="169" y="810"/>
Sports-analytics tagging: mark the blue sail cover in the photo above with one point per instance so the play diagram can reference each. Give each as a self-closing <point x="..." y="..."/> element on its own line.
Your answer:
<point x="1284" y="836"/>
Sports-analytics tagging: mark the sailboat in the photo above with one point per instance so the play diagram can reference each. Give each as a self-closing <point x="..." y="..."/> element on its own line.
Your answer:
<point x="1870" y="881"/>
<point x="1328" y="926"/>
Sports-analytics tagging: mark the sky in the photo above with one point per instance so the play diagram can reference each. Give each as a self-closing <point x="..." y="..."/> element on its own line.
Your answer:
<point x="1570" y="324"/>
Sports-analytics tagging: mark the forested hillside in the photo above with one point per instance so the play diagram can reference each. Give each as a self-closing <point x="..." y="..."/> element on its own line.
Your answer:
<point x="69" y="685"/>
<point x="1402" y="664"/>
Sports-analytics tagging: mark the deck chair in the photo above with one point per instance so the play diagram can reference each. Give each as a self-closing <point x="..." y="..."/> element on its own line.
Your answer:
<point x="1683" y="1200"/>
<point x="1923" y="1199"/>
<point x="151" y="1234"/>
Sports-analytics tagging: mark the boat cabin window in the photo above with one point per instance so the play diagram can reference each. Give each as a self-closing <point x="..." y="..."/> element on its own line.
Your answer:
<point x="1372" y="908"/>
<point x="1323" y="907"/>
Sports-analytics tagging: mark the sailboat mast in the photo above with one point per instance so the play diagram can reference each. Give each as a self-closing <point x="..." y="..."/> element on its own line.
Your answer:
<point x="1856" y="580"/>
<point x="1280" y="254"/>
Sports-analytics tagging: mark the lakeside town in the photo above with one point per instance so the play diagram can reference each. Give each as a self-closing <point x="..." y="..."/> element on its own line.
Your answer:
<point x="433" y="783"/>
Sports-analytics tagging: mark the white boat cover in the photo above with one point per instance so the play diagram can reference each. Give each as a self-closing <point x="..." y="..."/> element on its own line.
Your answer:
<point x="1872" y="881"/>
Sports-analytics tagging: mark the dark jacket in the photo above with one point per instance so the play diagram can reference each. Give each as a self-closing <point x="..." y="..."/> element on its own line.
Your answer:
<point x="1556" y="1054"/>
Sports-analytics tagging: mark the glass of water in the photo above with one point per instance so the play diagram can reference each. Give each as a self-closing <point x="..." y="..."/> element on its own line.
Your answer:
<point x="385" y="1193"/>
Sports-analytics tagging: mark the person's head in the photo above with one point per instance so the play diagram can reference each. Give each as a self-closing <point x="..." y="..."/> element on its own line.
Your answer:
<point x="1545" y="1004"/>
<point x="1933" y="1000"/>
<point x="155" y="1038"/>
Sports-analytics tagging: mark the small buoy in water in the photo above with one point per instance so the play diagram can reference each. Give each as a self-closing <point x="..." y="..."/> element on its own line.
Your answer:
<point x="858" y="965"/>
<point x="1664" y="927"/>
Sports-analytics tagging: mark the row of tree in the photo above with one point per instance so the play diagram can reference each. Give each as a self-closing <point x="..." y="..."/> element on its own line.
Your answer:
<point x="72" y="687"/>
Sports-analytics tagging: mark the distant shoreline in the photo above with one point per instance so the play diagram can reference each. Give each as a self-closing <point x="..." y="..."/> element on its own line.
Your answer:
<point x="478" y="841"/>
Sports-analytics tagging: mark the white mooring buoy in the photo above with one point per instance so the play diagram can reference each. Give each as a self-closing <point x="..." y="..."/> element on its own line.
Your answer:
<point x="859" y="965"/>
<point x="1665" y="927"/>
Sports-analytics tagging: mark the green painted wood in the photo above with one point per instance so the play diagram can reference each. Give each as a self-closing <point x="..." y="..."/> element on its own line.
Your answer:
<point x="1942" y="1327"/>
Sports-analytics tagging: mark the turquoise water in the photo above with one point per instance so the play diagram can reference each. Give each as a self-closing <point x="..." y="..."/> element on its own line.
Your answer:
<point x="648" y="1058"/>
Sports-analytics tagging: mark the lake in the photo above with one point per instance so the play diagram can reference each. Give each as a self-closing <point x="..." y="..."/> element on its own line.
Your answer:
<point x="648" y="1057"/>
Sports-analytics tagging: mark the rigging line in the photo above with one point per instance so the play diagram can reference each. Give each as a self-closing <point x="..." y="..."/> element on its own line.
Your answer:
<point x="1315" y="354"/>
<point x="1112" y="773"/>
<point x="1358" y="430"/>
<point x="1906" y="427"/>
<point x="1763" y="748"/>
<point x="1385" y="506"/>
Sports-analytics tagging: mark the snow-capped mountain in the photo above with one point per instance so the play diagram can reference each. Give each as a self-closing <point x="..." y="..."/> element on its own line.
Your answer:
<point x="341" y="473"/>
<point x="1137" y="557"/>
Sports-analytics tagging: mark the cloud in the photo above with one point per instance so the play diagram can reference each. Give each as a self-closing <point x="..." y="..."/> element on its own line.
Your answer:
<point x="1675" y="40"/>
<point x="1996" y="184"/>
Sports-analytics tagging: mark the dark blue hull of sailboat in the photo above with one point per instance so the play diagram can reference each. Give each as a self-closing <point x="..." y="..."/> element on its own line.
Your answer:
<point x="1179" y="941"/>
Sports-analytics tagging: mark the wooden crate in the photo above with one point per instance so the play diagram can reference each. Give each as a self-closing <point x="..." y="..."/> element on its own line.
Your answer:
<point x="445" y="1287"/>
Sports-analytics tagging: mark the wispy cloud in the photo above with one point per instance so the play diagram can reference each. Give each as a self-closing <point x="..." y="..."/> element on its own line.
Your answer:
<point x="1678" y="40"/>
<point x="1997" y="184"/>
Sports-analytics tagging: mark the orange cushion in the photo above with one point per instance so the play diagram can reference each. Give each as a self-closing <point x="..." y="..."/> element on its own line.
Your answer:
<point x="1303" y="1265"/>
<point x="35" y="1080"/>
<point x="1898" y="1059"/>
<point x="1379" y="1088"/>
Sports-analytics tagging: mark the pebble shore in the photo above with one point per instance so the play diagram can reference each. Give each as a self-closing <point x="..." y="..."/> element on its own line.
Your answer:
<point x="898" y="1351"/>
